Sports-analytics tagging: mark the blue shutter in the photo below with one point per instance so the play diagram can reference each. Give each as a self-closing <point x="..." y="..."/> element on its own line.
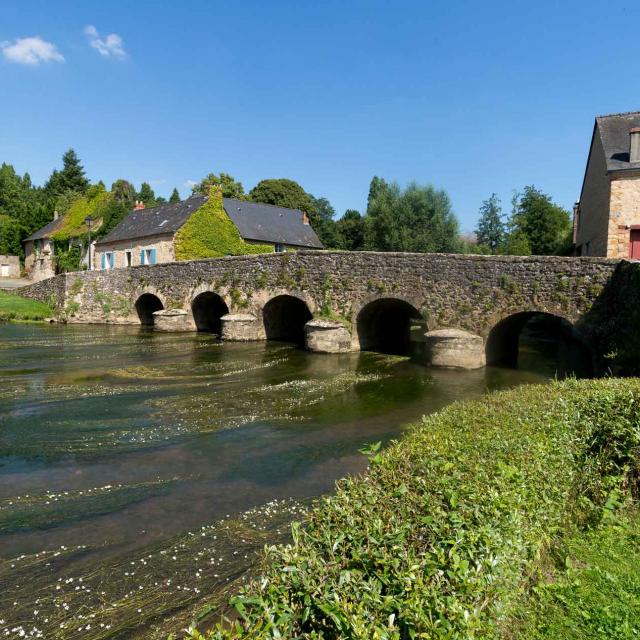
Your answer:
<point x="153" y="256"/>
<point x="103" y="262"/>
<point x="141" y="256"/>
<point x="112" y="259"/>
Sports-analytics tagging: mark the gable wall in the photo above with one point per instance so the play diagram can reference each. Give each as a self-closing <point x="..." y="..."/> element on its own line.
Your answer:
<point x="593" y="222"/>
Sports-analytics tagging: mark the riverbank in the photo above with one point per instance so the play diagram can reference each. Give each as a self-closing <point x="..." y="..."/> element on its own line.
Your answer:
<point x="452" y="529"/>
<point x="15" y="307"/>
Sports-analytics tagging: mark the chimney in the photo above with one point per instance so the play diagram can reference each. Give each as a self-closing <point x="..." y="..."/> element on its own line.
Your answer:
<point x="305" y="217"/>
<point x="634" y="144"/>
<point x="139" y="205"/>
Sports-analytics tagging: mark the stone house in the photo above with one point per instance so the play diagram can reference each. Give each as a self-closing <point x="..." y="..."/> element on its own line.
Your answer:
<point x="9" y="267"/>
<point x="607" y="217"/>
<point x="148" y="236"/>
<point x="39" y="251"/>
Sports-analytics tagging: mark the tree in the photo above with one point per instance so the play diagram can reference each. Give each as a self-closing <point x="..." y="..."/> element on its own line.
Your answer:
<point x="229" y="186"/>
<point x="123" y="192"/>
<point x="516" y="243"/>
<point x="378" y="187"/>
<point x="321" y="219"/>
<point x="175" y="196"/>
<point x="351" y="231"/>
<point x="11" y="234"/>
<point x="418" y="218"/>
<point x="71" y="178"/>
<point x="147" y="195"/>
<point x="490" y="231"/>
<point x="545" y="224"/>
<point x="283" y="193"/>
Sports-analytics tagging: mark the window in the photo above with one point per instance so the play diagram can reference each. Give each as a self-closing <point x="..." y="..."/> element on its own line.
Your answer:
<point x="107" y="260"/>
<point x="128" y="260"/>
<point x="278" y="248"/>
<point x="148" y="256"/>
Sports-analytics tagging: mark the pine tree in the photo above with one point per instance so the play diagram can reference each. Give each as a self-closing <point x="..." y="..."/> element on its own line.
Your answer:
<point x="71" y="178"/>
<point x="175" y="196"/>
<point x="147" y="195"/>
<point x="490" y="231"/>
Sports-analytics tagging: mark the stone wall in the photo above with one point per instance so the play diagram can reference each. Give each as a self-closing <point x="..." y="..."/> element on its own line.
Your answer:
<point x="624" y="212"/>
<point x="9" y="267"/>
<point x="162" y="244"/>
<point x="466" y="292"/>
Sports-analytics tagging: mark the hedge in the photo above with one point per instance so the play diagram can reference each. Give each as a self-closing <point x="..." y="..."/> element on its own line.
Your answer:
<point x="210" y="233"/>
<point x="444" y="534"/>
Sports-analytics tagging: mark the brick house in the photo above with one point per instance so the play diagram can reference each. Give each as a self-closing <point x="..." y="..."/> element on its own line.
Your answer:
<point x="147" y="236"/>
<point x="607" y="217"/>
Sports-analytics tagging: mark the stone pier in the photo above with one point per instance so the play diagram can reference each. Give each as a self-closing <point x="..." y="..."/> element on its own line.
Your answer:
<point x="454" y="348"/>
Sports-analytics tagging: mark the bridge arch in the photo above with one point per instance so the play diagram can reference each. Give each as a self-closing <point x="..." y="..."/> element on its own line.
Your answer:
<point x="552" y="333"/>
<point x="284" y="317"/>
<point x="146" y="304"/>
<point x="208" y="308"/>
<point x="386" y="325"/>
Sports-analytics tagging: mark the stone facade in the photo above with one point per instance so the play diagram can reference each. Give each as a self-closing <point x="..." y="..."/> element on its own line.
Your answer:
<point x="9" y="267"/>
<point x="470" y="293"/>
<point x="592" y="226"/>
<point x="162" y="244"/>
<point x="39" y="260"/>
<point x="624" y="213"/>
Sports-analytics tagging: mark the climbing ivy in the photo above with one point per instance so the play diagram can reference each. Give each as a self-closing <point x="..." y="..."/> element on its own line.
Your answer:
<point x="209" y="233"/>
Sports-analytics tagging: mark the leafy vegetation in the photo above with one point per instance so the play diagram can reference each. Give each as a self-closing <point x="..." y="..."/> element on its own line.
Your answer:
<point x="209" y="233"/>
<point x="537" y="226"/>
<point x="444" y="535"/>
<point x="592" y="586"/>
<point x="15" y="307"/>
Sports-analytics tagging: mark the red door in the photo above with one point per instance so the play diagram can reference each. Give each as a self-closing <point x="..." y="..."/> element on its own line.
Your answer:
<point x="634" y="244"/>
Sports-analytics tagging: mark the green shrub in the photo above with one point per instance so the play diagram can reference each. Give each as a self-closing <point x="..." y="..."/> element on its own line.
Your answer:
<point x="209" y="233"/>
<point x="441" y="536"/>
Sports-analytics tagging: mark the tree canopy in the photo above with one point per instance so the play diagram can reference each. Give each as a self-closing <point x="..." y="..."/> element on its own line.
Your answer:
<point x="418" y="218"/>
<point x="228" y="185"/>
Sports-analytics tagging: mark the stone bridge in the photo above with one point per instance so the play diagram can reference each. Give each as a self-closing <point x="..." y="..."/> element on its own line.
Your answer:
<point x="451" y="310"/>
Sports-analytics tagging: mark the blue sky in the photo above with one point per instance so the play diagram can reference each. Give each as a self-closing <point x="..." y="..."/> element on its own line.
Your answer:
<point x="474" y="97"/>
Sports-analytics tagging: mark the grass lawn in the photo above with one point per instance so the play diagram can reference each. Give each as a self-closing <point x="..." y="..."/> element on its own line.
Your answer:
<point x="594" y="589"/>
<point x="14" y="307"/>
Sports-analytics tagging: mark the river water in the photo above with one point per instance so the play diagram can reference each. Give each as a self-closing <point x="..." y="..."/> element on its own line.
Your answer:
<point x="141" y="473"/>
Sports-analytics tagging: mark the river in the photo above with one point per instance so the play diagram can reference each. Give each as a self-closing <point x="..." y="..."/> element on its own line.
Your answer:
<point x="141" y="473"/>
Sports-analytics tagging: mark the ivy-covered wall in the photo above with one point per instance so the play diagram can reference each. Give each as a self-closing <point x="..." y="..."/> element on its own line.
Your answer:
<point x="209" y="233"/>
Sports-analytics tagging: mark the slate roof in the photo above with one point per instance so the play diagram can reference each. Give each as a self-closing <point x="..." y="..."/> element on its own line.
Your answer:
<point x="167" y="218"/>
<point x="268" y="223"/>
<point x="614" y="133"/>
<point x="255" y="222"/>
<point x="46" y="231"/>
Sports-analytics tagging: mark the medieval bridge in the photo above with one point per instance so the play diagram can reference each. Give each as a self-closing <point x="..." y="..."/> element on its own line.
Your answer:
<point x="452" y="310"/>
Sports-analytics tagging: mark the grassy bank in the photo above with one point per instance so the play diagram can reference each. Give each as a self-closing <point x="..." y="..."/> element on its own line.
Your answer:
<point x="15" y="307"/>
<point x="452" y="530"/>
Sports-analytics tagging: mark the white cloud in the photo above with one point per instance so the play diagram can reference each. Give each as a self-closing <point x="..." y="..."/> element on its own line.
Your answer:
<point x="111" y="46"/>
<point x="190" y="184"/>
<point x="30" y="51"/>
